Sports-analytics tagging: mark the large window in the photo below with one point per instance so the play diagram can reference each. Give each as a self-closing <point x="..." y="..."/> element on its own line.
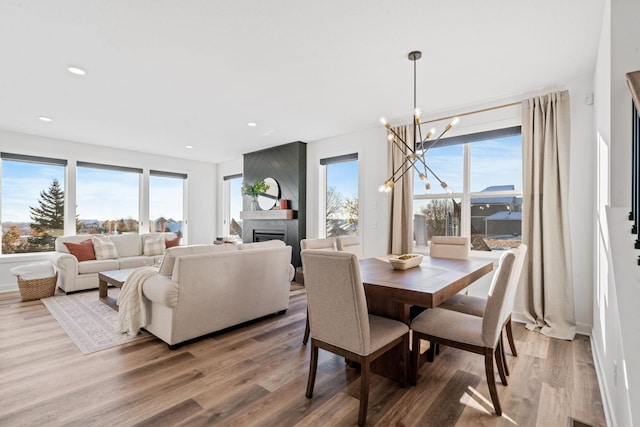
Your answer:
<point x="486" y="199"/>
<point x="233" y="205"/>
<point x="166" y="196"/>
<point x="341" y="200"/>
<point x="107" y="199"/>
<point x="32" y="203"/>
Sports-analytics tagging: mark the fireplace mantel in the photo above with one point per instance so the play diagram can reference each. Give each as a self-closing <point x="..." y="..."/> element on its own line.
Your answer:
<point x="271" y="214"/>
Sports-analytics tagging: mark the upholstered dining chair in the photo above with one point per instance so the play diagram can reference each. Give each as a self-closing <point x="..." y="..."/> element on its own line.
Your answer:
<point x="476" y="305"/>
<point x="349" y="244"/>
<point x="479" y="335"/>
<point x="340" y="322"/>
<point x="326" y="244"/>
<point x="450" y="247"/>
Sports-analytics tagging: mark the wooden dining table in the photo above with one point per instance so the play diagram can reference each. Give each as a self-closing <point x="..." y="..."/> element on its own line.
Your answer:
<point x="391" y="293"/>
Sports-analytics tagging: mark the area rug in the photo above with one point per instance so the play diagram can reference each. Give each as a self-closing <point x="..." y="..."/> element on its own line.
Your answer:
<point x="91" y="324"/>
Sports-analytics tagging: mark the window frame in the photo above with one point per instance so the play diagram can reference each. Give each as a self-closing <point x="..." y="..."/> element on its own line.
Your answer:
<point x="322" y="202"/>
<point x="466" y="195"/>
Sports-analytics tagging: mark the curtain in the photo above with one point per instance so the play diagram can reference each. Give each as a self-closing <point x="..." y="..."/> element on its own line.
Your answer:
<point x="545" y="224"/>
<point x="401" y="218"/>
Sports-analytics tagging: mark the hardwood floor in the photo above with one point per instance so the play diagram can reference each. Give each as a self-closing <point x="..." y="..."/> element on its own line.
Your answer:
<point x="256" y="375"/>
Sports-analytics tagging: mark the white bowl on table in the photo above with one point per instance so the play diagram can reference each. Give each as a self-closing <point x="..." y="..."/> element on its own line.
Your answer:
<point x="403" y="264"/>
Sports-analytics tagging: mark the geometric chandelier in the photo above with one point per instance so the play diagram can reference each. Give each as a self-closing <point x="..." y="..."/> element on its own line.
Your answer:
<point x="414" y="154"/>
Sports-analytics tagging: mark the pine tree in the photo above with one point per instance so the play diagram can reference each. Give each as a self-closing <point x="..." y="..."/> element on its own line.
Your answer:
<point x="48" y="218"/>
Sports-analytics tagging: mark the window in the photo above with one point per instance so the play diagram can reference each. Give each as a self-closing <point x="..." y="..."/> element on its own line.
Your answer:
<point x="486" y="202"/>
<point x="32" y="203"/>
<point x="341" y="201"/>
<point x="166" y="195"/>
<point x="107" y="199"/>
<point x="233" y="205"/>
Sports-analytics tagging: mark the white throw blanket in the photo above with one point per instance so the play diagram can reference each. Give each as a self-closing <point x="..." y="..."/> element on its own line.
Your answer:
<point x="132" y="314"/>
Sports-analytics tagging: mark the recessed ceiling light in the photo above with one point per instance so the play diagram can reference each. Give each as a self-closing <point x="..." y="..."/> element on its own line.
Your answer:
<point x="45" y="119"/>
<point x="252" y="124"/>
<point x="188" y="146"/>
<point x="77" y="71"/>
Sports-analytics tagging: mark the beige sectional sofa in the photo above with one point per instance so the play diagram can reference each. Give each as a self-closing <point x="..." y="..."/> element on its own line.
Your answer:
<point x="203" y="289"/>
<point x="74" y="275"/>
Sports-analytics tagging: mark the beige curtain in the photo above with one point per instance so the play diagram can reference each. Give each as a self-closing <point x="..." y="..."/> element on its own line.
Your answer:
<point x="545" y="220"/>
<point x="401" y="218"/>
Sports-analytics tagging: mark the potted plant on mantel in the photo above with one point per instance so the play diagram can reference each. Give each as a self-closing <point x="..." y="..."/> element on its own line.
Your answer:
<point x="254" y="191"/>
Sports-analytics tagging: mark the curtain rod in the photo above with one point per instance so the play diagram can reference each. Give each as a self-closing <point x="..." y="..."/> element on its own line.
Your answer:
<point x="482" y="110"/>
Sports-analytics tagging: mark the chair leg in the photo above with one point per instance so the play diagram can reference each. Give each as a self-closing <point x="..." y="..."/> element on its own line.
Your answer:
<point x="305" y="339"/>
<point x="512" y="343"/>
<point x="504" y="356"/>
<point x="491" y="380"/>
<point x="405" y="360"/>
<point x="364" y="392"/>
<point x="312" y="370"/>
<point x="415" y="356"/>
<point x="499" y="361"/>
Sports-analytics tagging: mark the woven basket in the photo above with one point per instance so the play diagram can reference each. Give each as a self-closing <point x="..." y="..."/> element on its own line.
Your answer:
<point x="37" y="288"/>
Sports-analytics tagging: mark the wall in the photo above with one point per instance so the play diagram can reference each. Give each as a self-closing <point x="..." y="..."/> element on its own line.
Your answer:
<point x="200" y="211"/>
<point x="616" y="291"/>
<point x="287" y="164"/>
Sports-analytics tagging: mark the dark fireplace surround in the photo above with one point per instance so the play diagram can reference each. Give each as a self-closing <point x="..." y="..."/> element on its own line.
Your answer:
<point x="287" y="164"/>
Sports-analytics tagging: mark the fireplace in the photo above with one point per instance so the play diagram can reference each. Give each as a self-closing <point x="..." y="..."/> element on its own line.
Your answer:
<point x="262" y="235"/>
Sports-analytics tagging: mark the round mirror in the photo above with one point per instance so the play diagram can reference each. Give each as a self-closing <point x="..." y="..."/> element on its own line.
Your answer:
<point x="268" y="199"/>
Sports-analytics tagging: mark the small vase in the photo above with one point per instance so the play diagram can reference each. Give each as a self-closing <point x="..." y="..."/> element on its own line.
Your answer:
<point x="254" y="205"/>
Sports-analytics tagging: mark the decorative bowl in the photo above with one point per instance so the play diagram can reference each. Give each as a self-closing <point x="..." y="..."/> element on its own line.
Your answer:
<point x="414" y="260"/>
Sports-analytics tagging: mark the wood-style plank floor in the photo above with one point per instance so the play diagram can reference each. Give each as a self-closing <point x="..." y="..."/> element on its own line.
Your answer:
<point x="256" y="375"/>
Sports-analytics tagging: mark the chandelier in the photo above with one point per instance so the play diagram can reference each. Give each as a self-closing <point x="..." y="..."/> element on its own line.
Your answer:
<point x="414" y="154"/>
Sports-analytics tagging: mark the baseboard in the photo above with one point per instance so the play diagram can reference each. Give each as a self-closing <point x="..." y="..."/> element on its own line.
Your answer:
<point x="607" y="406"/>
<point x="9" y="287"/>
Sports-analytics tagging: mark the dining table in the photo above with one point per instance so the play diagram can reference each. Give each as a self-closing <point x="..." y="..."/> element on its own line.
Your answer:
<point x="392" y="292"/>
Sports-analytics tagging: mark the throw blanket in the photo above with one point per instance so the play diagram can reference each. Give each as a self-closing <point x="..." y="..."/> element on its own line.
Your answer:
<point x="132" y="314"/>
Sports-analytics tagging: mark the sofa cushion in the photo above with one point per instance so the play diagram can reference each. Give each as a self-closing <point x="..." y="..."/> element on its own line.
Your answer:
<point x="166" y="268"/>
<point x="104" y="247"/>
<point x="98" y="266"/>
<point x="170" y="243"/>
<point x="257" y="245"/>
<point x="83" y="250"/>
<point x="127" y="244"/>
<point x="135" y="261"/>
<point x="153" y="245"/>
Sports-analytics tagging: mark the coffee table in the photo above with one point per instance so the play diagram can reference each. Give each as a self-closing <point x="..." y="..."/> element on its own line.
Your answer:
<point x="115" y="278"/>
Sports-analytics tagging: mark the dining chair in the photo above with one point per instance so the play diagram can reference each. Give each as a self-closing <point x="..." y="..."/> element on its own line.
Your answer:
<point x="325" y="244"/>
<point x="340" y="322"/>
<point x="457" y="247"/>
<point x="463" y="331"/>
<point x="476" y="305"/>
<point x="349" y="244"/>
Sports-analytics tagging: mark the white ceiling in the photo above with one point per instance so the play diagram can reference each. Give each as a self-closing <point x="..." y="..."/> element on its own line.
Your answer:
<point x="163" y="74"/>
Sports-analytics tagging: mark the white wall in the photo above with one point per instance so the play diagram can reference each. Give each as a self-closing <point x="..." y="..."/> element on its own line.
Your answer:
<point x="617" y="291"/>
<point x="373" y="215"/>
<point x="202" y="191"/>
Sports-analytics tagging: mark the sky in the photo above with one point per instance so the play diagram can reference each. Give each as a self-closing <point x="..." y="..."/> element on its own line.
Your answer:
<point x="493" y="162"/>
<point x="101" y="194"/>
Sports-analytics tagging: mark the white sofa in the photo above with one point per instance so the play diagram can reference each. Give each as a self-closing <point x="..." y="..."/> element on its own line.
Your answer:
<point x="77" y="276"/>
<point x="203" y="289"/>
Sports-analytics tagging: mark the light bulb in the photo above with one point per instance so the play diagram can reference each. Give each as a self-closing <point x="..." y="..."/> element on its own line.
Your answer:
<point x="446" y="187"/>
<point x="390" y="137"/>
<point x="455" y="121"/>
<point x="427" y="187"/>
<point x="422" y="177"/>
<point x="431" y="132"/>
<point x="383" y="121"/>
<point x="417" y="112"/>
<point x="381" y="188"/>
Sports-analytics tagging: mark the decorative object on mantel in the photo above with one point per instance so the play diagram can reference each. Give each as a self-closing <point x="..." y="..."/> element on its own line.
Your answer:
<point x="414" y="153"/>
<point x="254" y="191"/>
<point x="268" y="198"/>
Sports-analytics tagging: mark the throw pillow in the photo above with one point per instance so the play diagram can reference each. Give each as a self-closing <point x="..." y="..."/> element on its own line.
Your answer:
<point x="169" y="243"/>
<point x="83" y="250"/>
<point x="104" y="247"/>
<point x="153" y="246"/>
